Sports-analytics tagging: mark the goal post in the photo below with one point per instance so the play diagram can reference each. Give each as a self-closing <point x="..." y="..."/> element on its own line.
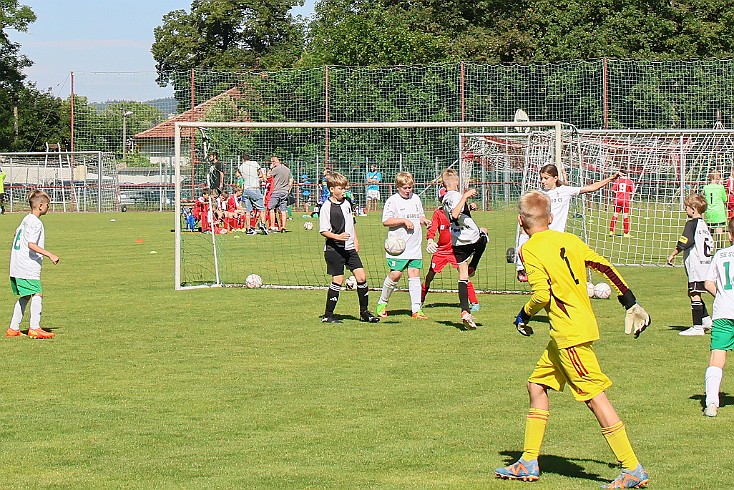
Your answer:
<point x="295" y="259"/>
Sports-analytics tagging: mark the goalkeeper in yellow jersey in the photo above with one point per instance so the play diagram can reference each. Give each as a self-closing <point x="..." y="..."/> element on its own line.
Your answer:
<point x="556" y="264"/>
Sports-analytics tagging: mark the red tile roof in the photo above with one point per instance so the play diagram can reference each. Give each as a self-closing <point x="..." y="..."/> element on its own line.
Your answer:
<point x="166" y="128"/>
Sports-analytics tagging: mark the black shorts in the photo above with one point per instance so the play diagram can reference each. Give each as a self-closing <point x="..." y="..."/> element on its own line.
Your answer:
<point x="696" y="287"/>
<point x="463" y="252"/>
<point x="337" y="258"/>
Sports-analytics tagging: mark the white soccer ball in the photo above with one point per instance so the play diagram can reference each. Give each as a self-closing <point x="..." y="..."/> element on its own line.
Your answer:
<point x="394" y="245"/>
<point x="351" y="282"/>
<point x="590" y="289"/>
<point x="253" y="281"/>
<point x="308" y="225"/>
<point x="602" y="290"/>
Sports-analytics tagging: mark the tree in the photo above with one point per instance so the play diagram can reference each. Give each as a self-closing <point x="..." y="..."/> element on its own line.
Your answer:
<point x="227" y="35"/>
<point x="17" y="17"/>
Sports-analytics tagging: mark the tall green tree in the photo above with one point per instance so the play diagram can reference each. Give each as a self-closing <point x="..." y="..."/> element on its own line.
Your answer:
<point x="17" y="17"/>
<point x="226" y="35"/>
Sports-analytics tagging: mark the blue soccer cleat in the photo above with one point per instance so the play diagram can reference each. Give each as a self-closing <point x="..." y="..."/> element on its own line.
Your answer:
<point x="520" y="470"/>
<point x="637" y="478"/>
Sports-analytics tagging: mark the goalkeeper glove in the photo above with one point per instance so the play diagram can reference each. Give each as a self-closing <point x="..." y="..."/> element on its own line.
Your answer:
<point x="431" y="247"/>
<point x="521" y="323"/>
<point x="636" y="320"/>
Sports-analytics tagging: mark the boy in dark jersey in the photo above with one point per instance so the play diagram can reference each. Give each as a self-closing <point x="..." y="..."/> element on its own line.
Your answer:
<point x="336" y="224"/>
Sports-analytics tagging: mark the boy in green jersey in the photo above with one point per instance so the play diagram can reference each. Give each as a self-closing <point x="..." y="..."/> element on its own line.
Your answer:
<point x="715" y="215"/>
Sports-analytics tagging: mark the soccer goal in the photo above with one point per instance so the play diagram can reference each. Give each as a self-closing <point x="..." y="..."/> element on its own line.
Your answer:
<point x="226" y="257"/>
<point x="663" y="167"/>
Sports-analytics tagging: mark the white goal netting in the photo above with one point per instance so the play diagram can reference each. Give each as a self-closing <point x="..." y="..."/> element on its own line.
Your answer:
<point x="223" y="254"/>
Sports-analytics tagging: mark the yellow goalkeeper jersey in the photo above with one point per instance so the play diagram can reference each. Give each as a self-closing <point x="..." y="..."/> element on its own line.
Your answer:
<point x="556" y="265"/>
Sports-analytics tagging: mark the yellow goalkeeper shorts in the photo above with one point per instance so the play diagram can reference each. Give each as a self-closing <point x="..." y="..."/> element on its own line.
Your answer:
<point x="576" y="366"/>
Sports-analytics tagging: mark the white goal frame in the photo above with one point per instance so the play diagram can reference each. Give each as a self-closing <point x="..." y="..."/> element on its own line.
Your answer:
<point x="179" y="126"/>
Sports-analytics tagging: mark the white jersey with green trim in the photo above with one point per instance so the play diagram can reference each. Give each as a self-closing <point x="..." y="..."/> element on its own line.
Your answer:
<point x="397" y="206"/>
<point x="24" y="262"/>
<point x="722" y="273"/>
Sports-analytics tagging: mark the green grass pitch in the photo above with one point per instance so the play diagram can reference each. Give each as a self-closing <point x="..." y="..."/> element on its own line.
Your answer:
<point x="147" y="387"/>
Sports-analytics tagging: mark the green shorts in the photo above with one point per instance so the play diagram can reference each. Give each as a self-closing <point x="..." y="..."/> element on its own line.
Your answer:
<point x="402" y="264"/>
<point x="722" y="334"/>
<point x="25" y="287"/>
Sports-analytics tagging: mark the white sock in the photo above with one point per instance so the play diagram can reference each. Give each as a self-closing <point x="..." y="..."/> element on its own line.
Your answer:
<point x="388" y="287"/>
<point x="414" y="288"/>
<point x="713" y="383"/>
<point x="36" y="307"/>
<point x="18" y="311"/>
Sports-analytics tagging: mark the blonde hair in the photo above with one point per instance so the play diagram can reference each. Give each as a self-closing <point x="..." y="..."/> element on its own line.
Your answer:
<point x="715" y="176"/>
<point x="697" y="202"/>
<point x="404" y="178"/>
<point x="535" y="209"/>
<point x="335" y="179"/>
<point x="449" y="174"/>
<point x="36" y="197"/>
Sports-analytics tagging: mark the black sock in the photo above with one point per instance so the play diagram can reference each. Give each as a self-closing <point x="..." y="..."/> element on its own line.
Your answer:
<point x="363" y="294"/>
<point x="464" y="295"/>
<point x="705" y="311"/>
<point x="332" y="296"/>
<point x="697" y="313"/>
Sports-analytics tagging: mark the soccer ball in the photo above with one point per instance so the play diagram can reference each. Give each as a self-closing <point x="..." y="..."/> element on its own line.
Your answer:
<point x="253" y="281"/>
<point x="394" y="245"/>
<point x="308" y="225"/>
<point x="602" y="290"/>
<point x="351" y="282"/>
<point x="590" y="289"/>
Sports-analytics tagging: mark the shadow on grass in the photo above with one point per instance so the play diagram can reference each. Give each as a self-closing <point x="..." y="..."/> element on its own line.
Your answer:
<point x="457" y="325"/>
<point x="680" y="328"/>
<point x="570" y="467"/>
<point x="724" y="399"/>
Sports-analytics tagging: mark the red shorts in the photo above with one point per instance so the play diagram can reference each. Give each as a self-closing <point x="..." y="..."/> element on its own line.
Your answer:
<point x="440" y="260"/>
<point x="622" y="207"/>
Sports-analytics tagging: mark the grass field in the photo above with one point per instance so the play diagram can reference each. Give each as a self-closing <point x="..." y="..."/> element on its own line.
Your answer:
<point x="146" y="387"/>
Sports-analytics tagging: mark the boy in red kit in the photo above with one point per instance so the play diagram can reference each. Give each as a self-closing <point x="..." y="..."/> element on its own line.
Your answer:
<point x="622" y="189"/>
<point x="442" y="253"/>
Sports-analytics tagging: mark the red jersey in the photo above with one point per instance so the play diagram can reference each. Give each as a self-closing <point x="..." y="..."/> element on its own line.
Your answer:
<point x="730" y="185"/>
<point x="623" y="189"/>
<point x="198" y="210"/>
<point x="231" y="205"/>
<point x="440" y="224"/>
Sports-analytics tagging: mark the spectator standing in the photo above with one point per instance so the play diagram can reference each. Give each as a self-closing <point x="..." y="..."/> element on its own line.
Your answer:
<point x="374" y="177"/>
<point x="252" y="197"/>
<point x="282" y="185"/>
<point x="216" y="174"/>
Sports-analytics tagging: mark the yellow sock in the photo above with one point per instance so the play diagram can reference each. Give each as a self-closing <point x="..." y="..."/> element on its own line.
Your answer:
<point x="616" y="437"/>
<point x="535" y="424"/>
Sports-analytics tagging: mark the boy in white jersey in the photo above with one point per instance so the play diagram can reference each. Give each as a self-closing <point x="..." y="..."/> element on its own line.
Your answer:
<point x="336" y="224"/>
<point x="719" y="284"/>
<point x="560" y="196"/>
<point x="403" y="215"/>
<point x="697" y="246"/>
<point x="26" y="257"/>
<point x="467" y="240"/>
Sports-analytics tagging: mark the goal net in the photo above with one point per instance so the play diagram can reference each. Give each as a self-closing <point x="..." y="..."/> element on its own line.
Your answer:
<point x="223" y="255"/>
<point x="663" y="167"/>
<point x="76" y="181"/>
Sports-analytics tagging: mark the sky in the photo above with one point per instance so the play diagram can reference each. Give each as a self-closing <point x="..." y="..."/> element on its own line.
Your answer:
<point x="105" y="43"/>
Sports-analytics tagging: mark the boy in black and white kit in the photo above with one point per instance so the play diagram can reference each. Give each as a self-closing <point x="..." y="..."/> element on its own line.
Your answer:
<point x="697" y="246"/>
<point x="467" y="239"/>
<point x="336" y="224"/>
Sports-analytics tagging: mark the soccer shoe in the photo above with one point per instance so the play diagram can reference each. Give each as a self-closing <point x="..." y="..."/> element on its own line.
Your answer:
<point x="711" y="410"/>
<point x="13" y="333"/>
<point x="707" y="323"/>
<point x="522" y="276"/>
<point x="251" y="232"/>
<point x="468" y="320"/>
<point x="520" y="470"/>
<point x="627" y="235"/>
<point x="330" y="319"/>
<point x="637" y="478"/>
<point x="419" y="315"/>
<point x="368" y="317"/>
<point x="39" y="333"/>
<point x="381" y="310"/>
<point x="475" y="307"/>
<point x="611" y="233"/>
<point x="694" y="331"/>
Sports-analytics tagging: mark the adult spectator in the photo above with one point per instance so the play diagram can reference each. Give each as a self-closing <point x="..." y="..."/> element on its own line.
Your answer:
<point x="374" y="177"/>
<point x="253" y="175"/>
<point x="216" y="174"/>
<point x="282" y="185"/>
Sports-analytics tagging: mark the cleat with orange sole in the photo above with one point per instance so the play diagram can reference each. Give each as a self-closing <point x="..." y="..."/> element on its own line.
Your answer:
<point x="520" y="470"/>
<point x="419" y="315"/>
<point x="13" y="333"/>
<point x="39" y="333"/>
